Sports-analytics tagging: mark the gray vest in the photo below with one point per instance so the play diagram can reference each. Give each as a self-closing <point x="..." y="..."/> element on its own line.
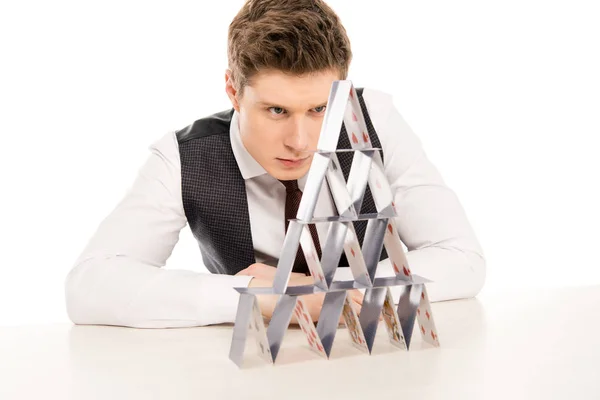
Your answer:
<point x="214" y="192"/>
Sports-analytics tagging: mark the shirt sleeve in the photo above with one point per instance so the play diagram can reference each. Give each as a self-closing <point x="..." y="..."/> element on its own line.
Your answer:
<point x="118" y="279"/>
<point x="440" y="242"/>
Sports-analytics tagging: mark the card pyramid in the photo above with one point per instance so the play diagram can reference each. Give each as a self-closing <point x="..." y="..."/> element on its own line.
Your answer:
<point x="343" y="107"/>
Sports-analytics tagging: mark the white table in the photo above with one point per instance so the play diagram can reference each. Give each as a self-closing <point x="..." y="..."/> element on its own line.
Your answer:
<point x="530" y="345"/>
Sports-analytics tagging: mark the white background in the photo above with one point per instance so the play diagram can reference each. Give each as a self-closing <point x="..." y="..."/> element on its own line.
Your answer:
<point x="505" y="96"/>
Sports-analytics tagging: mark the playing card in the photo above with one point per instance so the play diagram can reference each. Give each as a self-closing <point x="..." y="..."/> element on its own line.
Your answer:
<point x="395" y="252"/>
<point x="287" y="256"/>
<point x="370" y="313"/>
<point x="355" y="123"/>
<point x="308" y="327"/>
<point x="257" y="327"/>
<point x="353" y="325"/>
<point x="338" y="188"/>
<point x="408" y="302"/>
<point x="355" y="257"/>
<point x="392" y="323"/>
<point x="373" y="244"/>
<point x="425" y="320"/>
<point x="378" y="183"/>
<point x="280" y="320"/>
<point x="312" y="258"/>
<point x="329" y="318"/>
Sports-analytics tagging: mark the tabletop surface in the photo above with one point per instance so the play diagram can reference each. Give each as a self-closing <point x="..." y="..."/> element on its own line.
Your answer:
<point x="538" y="344"/>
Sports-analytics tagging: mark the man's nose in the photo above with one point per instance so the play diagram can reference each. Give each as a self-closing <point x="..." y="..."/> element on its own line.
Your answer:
<point x="297" y="138"/>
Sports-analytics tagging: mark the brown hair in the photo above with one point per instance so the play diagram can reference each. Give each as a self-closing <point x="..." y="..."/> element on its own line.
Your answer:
<point x="294" y="36"/>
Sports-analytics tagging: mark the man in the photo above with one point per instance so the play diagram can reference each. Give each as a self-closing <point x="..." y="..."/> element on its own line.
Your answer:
<point x="233" y="176"/>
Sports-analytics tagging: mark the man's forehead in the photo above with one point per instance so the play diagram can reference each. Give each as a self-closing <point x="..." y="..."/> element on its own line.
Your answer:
<point x="302" y="92"/>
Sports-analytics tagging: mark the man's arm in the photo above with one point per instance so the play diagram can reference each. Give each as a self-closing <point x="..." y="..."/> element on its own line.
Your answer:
<point x="431" y="221"/>
<point x="118" y="279"/>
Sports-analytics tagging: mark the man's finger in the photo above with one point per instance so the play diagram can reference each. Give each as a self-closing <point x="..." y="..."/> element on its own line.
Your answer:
<point x="356" y="296"/>
<point x="356" y="306"/>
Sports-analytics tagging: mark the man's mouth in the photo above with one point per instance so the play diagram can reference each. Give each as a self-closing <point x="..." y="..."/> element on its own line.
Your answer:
<point x="293" y="162"/>
<point x="293" y="159"/>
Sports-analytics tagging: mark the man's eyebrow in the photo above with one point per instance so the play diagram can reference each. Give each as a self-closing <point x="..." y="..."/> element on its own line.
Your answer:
<point x="269" y="104"/>
<point x="266" y="103"/>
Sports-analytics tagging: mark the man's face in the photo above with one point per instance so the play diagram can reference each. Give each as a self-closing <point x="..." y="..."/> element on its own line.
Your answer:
<point x="280" y="119"/>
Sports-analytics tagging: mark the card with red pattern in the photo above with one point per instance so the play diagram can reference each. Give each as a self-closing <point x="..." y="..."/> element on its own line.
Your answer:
<point x="308" y="327"/>
<point x="353" y="325"/>
<point x="378" y="183"/>
<point x="355" y="257"/>
<point x="338" y="188"/>
<point x="392" y="323"/>
<point x="312" y="258"/>
<point x="355" y="123"/>
<point x="427" y="327"/>
<point x="257" y="328"/>
<point x="395" y="251"/>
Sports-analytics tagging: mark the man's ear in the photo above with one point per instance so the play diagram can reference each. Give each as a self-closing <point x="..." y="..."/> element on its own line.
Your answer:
<point x="231" y="91"/>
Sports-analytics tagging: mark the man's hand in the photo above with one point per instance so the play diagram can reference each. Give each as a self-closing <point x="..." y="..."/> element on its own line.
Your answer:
<point x="264" y="272"/>
<point x="263" y="277"/>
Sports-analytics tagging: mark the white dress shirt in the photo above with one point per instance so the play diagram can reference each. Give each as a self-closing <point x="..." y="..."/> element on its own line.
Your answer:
<point x="118" y="279"/>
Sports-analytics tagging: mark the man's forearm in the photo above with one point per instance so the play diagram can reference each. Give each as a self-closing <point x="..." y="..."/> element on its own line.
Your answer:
<point x="455" y="273"/>
<point x="119" y="290"/>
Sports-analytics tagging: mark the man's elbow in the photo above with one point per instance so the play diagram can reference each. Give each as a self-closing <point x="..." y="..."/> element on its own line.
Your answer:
<point x="75" y="295"/>
<point x="463" y="279"/>
<point x="79" y="295"/>
<point x="476" y="279"/>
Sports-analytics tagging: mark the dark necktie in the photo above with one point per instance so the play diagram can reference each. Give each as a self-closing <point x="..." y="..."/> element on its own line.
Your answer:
<point x="292" y="202"/>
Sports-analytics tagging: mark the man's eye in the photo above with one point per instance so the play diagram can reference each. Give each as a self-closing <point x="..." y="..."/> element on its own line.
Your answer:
<point x="276" y="110"/>
<point x="320" y="109"/>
